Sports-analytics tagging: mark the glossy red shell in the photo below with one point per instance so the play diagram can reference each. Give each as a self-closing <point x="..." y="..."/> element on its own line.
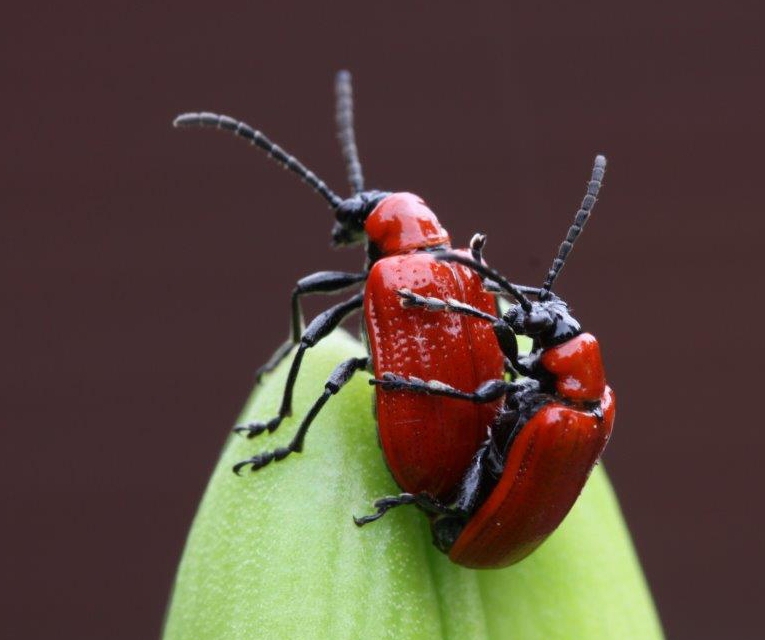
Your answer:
<point x="578" y="368"/>
<point x="428" y="441"/>
<point x="546" y="468"/>
<point x="403" y="222"/>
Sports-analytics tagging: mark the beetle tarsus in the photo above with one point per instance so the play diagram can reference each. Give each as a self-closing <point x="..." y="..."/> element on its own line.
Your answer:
<point x="262" y="459"/>
<point x="390" y="382"/>
<point x="360" y="522"/>
<point x="237" y="468"/>
<point x="336" y="381"/>
<point x="424" y="500"/>
<point x="318" y="329"/>
<point x="487" y="391"/>
<point x="383" y="505"/>
<point x="253" y="429"/>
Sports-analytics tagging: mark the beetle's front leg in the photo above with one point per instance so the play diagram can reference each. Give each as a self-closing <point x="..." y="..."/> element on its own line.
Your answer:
<point x="486" y="392"/>
<point x="506" y="337"/>
<point x="327" y="282"/>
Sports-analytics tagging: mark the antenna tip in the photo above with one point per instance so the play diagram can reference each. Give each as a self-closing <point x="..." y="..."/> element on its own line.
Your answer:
<point x="478" y="241"/>
<point x="600" y="160"/>
<point x="343" y="75"/>
<point x="183" y="119"/>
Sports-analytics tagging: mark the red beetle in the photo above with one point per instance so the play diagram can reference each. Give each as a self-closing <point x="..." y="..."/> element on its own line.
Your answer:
<point x="550" y="432"/>
<point x="427" y="441"/>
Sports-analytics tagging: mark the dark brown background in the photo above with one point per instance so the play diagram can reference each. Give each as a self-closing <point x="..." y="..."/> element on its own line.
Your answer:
<point x="145" y="272"/>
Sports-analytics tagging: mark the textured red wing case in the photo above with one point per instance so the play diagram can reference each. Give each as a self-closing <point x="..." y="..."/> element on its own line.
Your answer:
<point x="547" y="467"/>
<point x="429" y="441"/>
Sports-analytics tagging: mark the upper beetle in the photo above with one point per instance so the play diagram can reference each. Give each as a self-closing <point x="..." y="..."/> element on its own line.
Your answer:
<point x="427" y="441"/>
<point x="549" y="433"/>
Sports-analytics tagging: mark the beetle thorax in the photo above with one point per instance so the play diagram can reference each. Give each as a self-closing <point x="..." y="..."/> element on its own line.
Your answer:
<point x="402" y="222"/>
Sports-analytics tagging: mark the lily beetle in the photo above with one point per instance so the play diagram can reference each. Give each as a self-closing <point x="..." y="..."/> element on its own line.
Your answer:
<point x="427" y="441"/>
<point x="554" y="423"/>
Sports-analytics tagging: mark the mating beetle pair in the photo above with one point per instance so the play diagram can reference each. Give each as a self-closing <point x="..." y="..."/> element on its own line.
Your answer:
<point x="434" y="334"/>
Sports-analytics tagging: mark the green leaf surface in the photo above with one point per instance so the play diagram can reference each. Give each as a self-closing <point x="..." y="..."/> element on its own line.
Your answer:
<point x="275" y="554"/>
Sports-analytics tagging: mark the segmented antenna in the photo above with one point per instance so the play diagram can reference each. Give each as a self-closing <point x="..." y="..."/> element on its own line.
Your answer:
<point x="593" y="187"/>
<point x="206" y="119"/>
<point x="486" y="272"/>
<point x="345" y="132"/>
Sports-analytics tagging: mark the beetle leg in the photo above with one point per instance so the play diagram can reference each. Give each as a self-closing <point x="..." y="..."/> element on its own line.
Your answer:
<point x="337" y="379"/>
<point x="411" y="299"/>
<point x="473" y="481"/>
<point x="467" y="493"/>
<point x="321" y="326"/>
<point x="328" y="282"/>
<point x="506" y="337"/>
<point x="319" y="282"/>
<point x="508" y="343"/>
<point x="275" y="360"/>
<point x="383" y="505"/>
<point x="486" y="392"/>
<point x="423" y="500"/>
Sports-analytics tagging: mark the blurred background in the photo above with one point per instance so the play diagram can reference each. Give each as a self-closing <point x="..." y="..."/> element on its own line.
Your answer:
<point x="145" y="272"/>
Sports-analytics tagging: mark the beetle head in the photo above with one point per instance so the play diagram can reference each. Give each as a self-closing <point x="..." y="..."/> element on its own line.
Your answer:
<point x="548" y="321"/>
<point x="351" y="214"/>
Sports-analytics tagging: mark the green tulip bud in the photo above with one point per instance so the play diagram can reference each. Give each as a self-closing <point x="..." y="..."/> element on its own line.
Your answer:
<point x="275" y="554"/>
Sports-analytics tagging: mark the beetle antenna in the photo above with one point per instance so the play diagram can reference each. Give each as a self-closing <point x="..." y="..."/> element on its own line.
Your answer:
<point x="487" y="272"/>
<point x="593" y="187"/>
<point x="345" y="131"/>
<point x="243" y="130"/>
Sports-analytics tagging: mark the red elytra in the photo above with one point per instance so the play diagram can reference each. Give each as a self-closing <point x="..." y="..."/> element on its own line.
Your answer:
<point x="545" y="471"/>
<point x="428" y="441"/>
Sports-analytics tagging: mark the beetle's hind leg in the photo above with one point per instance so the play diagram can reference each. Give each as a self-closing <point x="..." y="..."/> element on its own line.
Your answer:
<point x="423" y="500"/>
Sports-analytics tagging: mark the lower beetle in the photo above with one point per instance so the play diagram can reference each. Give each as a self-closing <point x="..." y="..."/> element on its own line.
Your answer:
<point x="548" y="435"/>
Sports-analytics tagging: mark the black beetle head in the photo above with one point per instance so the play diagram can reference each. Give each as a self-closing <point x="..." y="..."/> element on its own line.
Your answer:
<point x="351" y="214"/>
<point x="548" y="321"/>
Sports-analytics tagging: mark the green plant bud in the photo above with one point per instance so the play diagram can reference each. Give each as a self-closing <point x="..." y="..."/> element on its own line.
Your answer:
<point x="275" y="554"/>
